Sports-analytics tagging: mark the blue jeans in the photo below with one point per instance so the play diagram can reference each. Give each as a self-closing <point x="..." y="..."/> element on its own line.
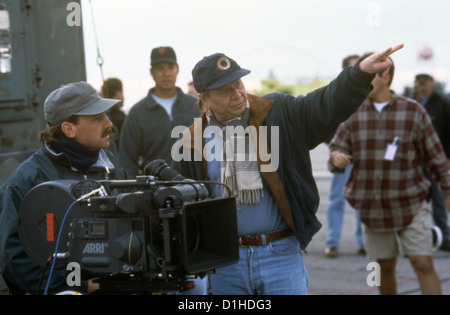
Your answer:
<point x="335" y="211"/>
<point x="276" y="268"/>
<point x="440" y="215"/>
<point x="201" y="287"/>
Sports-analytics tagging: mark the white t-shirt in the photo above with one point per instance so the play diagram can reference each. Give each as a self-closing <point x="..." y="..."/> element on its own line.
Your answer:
<point x="166" y="103"/>
<point x="379" y="106"/>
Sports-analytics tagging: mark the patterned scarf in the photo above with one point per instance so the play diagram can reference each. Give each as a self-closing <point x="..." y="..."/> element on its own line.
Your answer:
<point x="239" y="167"/>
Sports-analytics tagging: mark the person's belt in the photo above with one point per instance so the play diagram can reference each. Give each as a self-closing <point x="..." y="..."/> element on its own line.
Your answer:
<point x="257" y="240"/>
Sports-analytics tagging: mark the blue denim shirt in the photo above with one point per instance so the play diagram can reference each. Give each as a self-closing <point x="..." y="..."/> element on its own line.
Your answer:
<point x="261" y="218"/>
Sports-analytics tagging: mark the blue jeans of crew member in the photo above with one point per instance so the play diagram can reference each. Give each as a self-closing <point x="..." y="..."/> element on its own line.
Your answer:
<point x="335" y="211"/>
<point x="201" y="287"/>
<point x="276" y="268"/>
<point x="440" y="215"/>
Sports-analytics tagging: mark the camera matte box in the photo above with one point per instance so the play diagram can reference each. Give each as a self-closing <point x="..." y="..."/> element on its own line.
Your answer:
<point x="210" y="237"/>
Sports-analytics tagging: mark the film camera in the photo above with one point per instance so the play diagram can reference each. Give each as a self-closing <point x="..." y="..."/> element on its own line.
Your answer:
<point x="146" y="235"/>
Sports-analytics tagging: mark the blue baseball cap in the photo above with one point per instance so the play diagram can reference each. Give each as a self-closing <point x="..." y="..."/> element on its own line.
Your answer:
<point x="163" y="54"/>
<point x="215" y="71"/>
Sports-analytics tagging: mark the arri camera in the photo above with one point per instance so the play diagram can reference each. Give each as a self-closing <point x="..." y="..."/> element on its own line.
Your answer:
<point x="147" y="235"/>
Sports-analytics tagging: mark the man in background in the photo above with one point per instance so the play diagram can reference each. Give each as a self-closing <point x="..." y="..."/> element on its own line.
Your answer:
<point x="113" y="88"/>
<point x="438" y="108"/>
<point x="146" y="133"/>
<point x="388" y="140"/>
<point x="337" y="202"/>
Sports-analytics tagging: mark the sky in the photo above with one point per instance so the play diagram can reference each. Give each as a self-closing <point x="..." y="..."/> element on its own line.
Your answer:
<point x="296" y="40"/>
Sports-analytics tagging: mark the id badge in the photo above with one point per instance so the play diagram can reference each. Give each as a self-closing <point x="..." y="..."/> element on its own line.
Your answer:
<point x="391" y="150"/>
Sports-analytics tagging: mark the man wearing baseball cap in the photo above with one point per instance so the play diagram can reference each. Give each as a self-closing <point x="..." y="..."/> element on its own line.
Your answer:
<point x="146" y="133"/>
<point x="276" y="206"/>
<point x="73" y="147"/>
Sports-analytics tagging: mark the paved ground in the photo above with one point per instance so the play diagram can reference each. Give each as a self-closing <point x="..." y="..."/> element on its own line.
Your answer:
<point x="347" y="274"/>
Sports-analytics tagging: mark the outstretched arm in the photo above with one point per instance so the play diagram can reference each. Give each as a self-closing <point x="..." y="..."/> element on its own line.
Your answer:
<point x="378" y="62"/>
<point x="323" y="110"/>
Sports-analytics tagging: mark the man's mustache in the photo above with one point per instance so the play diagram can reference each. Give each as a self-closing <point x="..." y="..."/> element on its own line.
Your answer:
<point x="107" y="131"/>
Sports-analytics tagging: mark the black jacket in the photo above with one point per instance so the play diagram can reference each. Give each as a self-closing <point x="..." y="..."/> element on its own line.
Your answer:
<point x="147" y="130"/>
<point x="304" y="123"/>
<point x="438" y="108"/>
<point x="43" y="166"/>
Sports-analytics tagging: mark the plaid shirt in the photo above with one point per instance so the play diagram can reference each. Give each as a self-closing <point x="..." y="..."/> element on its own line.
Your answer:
<point x="386" y="193"/>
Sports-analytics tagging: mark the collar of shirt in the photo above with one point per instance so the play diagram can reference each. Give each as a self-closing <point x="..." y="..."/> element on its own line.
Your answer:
<point x="166" y="103"/>
<point x="379" y="106"/>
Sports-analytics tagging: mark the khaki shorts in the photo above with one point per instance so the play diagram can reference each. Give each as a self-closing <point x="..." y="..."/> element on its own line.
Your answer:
<point x="415" y="239"/>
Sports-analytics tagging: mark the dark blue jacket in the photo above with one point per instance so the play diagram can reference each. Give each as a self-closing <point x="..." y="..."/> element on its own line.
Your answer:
<point x="438" y="108"/>
<point x="44" y="165"/>
<point x="147" y="130"/>
<point x="304" y="122"/>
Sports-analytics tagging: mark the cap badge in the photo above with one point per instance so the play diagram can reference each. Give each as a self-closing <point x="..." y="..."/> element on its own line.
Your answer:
<point x="161" y="50"/>
<point x="223" y="64"/>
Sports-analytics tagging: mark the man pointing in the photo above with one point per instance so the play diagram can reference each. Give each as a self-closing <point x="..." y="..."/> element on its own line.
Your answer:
<point x="276" y="206"/>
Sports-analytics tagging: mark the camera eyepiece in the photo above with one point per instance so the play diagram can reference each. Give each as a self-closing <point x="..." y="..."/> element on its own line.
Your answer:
<point x="160" y="169"/>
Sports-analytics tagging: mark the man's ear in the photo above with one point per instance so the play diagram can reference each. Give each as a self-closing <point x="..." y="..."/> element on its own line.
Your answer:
<point x="69" y="129"/>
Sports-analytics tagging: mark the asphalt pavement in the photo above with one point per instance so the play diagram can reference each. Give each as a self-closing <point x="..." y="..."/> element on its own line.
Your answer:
<point x="348" y="274"/>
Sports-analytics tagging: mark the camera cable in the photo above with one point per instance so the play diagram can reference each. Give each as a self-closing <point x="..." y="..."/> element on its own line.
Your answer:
<point x="100" y="191"/>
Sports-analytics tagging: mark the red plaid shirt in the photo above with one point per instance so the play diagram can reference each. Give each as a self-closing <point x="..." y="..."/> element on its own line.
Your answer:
<point x="386" y="193"/>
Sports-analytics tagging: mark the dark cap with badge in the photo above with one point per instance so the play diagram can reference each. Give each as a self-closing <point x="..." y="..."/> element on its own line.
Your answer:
<point x="215" y="71"/>
<point x="163" y="54"/>
<point x="79" y="98"/>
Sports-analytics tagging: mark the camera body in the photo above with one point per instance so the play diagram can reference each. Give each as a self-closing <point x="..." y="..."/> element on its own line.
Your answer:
<point x="146" y="234"/>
